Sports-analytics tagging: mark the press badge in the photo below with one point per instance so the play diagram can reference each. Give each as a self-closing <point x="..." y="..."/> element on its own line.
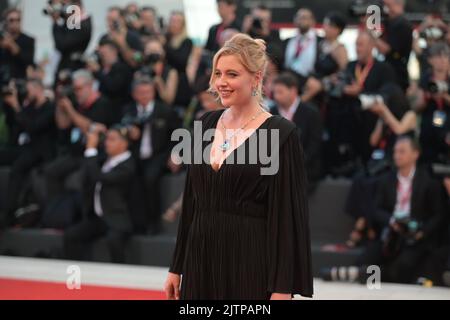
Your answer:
<point x="439" y="118"/>
<point x="75" y="135"/>
<point x="378" y="154"/>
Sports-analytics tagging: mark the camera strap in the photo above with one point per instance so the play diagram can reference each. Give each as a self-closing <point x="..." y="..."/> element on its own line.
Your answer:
<point x="361" y="74"/>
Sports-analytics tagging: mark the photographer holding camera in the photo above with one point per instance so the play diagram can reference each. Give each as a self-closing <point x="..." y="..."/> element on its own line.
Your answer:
<point x="90" y="112"/>
<point x="105" y="202"/>
<point x="114" y="77"/>
<point x="70" y="42"/>
<point x="165" y="77"/>
<point x="16" y="48"/>
<point x="434" y="105"/>
<point x="396" y="42"/>
<point x="128" y="41"/>
<point x="258" y="25"/>
<point x="150" y="125"/>
<point x="431" y="30"/>
<point x="408" y="216"/>
<point x="36" y="145"/>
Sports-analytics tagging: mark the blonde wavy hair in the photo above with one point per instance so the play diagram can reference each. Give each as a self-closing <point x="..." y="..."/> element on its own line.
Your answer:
<point x="251" y="54"/>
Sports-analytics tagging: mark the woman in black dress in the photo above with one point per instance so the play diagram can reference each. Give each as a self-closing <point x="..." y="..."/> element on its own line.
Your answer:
<point x="243" y="234"/>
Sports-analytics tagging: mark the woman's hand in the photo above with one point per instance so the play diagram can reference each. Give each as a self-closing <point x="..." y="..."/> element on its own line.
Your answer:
<point x="172" y="286"/>
<point x="281" y="296"/>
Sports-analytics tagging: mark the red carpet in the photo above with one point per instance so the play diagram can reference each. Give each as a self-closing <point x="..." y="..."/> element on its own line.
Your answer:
<point x="41" y="290"/>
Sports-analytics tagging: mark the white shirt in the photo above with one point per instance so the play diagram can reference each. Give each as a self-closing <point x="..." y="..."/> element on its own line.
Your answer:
<point x="109" y="164"/>
<point x="146" y="151"/>
<point x="304" y="63"/>
<point x="289" y="113"/>
<point x="404" y="195"/>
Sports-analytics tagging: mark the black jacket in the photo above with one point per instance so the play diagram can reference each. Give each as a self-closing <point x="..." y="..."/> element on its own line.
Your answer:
<point x="427" y="203"/>
<point x="162" y="121"/>
<point x="309" y="125"/>
<point x="114" y="194"/>
<point x="16" y="66"/>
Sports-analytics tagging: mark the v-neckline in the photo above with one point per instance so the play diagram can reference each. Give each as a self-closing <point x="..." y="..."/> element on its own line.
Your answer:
<point x="234" y="150"/>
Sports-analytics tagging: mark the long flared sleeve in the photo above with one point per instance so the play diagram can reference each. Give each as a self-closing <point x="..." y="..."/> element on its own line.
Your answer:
<point x="289" y="245"/>
<point x="187" y="212"/>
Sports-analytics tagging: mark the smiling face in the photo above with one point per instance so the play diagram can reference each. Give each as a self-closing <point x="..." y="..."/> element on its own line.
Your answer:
<point x="233" y="82"/>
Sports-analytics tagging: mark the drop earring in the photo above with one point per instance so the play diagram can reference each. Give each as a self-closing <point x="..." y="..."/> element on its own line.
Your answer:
<point x="254" y="93"/>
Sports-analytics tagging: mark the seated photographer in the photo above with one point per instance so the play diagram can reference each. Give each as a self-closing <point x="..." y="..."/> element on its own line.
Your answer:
<point x="150" y="124"/>
<point x="178" y="50"/>
<point x="69" y="41"/>
<point x="307" y="119"/>
<point x="16" y="48"/>
<point x="114" y="77"/>
<point x="331" y="57"/>
<point x="434" y="106"/>
<point x="35" y="118"/>
<point x="166" y="78"/>
<point x="89" y="111"/>
<point x="106" y="187"/>
<point x="394" y="120"/>
<point x="408" y="215"/>
<point x="128" y="41"/>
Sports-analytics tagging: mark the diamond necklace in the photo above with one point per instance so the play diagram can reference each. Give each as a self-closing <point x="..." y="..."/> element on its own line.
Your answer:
<point x="226" y="143"/>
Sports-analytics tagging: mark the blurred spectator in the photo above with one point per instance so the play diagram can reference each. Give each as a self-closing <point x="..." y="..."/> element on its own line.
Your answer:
<point x="114" y="77"/>
<point x="16" y="48"/>
<point x="128" y="41"/>
<point x="350" y="125"/>
<point x="70" y="42"/>
<point x="331" y="58"/>
<point x="150" y="26"/>
<point x="434" y="106"/>
<point x="132" y="16"/>
<point x="166" y="78"/>
<point x="91" y="112"/>
<point x="258" y="24"/>
<point x="301" y="50"/>
<point x="394" y="119"/>
<point x="227" y="12"/>
<point x="431" y="30"/>
<point x="396" y="41"/>
<point x="178" y="52"/>
<point x="35" y="119"/>
<point x="151" y="124"/>
<point x="307" y="119"/>
<point x="106" y="188"/>
<point x="274" y="67"/>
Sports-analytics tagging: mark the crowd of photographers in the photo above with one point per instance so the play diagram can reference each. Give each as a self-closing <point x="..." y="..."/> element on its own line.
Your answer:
<point x="88" y="151"/>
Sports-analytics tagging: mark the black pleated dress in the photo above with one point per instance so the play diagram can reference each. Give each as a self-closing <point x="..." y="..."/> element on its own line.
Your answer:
<point x="243" y="235"/>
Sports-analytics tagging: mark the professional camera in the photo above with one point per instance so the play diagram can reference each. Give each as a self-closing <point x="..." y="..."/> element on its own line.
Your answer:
<point x="138" y="121"/>
<point x="432" y="33"/>
<point x="148" y="64"/>
<point x="53" y="7"/>
<point x="64" y="86"/>
<point x="393" y="241"/>
<point x="438" y="87"/>
<point x="368" y="100"/>
<point x="257" y="23"/>
<point x="335" y="88"/>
